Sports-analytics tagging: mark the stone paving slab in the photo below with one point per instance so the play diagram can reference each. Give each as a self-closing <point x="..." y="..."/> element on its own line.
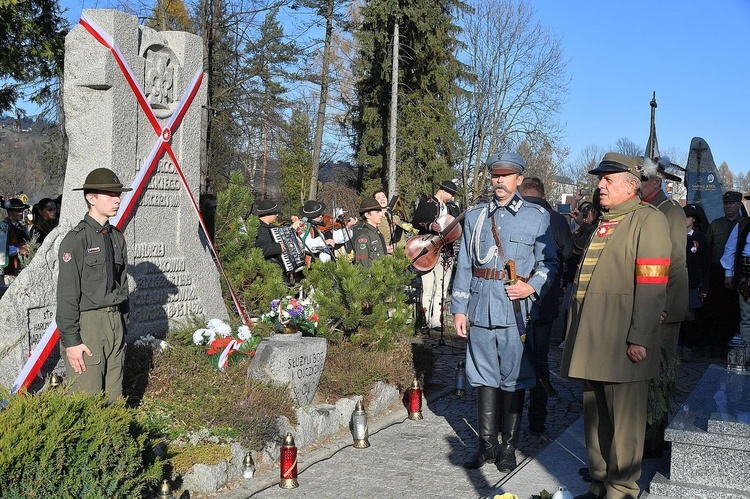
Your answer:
<point x="416" y="459"/>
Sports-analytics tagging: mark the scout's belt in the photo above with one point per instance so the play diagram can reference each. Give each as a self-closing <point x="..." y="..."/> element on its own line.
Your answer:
<point x="495" y="275"/>
<point x="111" y="308"/>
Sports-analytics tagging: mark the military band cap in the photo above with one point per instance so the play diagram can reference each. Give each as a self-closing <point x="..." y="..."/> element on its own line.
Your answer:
<point x="732" y="197"/>
<point x="449" y="187"/>
<point x="614" y="162"/>
<point x="103" y="179"/>
<point x="505" y="162"/>
<point x="312" y="209"/>
<point x="690" y="211"/>
<point x="15" y="204"/>
<point x="369" y="204"/>
<point x="267" y="207"/>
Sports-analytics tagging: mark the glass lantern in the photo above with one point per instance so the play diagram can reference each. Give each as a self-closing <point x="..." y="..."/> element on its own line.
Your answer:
<point x="736" y="354"/>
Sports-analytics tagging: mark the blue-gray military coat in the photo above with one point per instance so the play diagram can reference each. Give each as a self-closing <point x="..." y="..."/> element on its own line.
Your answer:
<point x="526" y="238"/>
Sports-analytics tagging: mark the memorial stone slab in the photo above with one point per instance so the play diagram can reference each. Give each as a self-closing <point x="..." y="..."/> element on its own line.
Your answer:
<point x="171" y="273"/>
<point x="291" y="359"/>
<point x="710" y="438"/>
<point x="702" y="180"/>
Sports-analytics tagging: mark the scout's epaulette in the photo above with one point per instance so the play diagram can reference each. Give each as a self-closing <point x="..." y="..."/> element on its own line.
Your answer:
<point x="78" y="228"/>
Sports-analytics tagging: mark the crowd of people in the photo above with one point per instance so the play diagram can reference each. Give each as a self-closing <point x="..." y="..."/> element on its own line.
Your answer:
<point x="23" y="224"/>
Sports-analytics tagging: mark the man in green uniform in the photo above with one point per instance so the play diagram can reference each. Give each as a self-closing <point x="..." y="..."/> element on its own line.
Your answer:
<point x="721" y="314"/>
<point x="619" y="295"/>
<point x="92" y="291"/>
<point x="370" y="243"/>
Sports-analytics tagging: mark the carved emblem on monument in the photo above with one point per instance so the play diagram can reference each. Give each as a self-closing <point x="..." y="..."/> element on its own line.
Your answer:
<point x="161" y="65"/>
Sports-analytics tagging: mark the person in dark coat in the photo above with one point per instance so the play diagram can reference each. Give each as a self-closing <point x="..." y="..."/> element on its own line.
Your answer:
<point x="45" y="219"/>
<point x="532" y="190"/>
<point x="370" y="244"/>
<point x="698" y="259"/>
<point x="13" y="239"/>
<point x="268" y="211"/>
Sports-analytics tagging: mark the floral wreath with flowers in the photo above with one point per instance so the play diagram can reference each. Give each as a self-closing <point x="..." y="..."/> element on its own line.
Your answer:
<point x="292" y="313"/>
<point x="223" y="343"/>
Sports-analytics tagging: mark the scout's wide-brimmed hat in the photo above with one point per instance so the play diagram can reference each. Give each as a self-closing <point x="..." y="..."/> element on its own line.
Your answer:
<point x="505" y="162"/>
<point x="267" y="207"/>
<point x="103" y="179"/>
<point x="369" y="204"/>
<point x="15" y="204"/>
<point x="312" y="209"/>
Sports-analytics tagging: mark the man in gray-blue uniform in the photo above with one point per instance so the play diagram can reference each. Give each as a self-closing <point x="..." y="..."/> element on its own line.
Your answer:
<point x="507" y="228"/>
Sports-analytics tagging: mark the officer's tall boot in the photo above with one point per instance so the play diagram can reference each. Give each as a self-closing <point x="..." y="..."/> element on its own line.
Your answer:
<point x="487" y="403"/>
<point x="512" y="403"/>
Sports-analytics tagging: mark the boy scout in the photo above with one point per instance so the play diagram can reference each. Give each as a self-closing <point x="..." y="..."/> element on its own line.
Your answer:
<point x="370" y="243"/>
<point x="92" y="291"/>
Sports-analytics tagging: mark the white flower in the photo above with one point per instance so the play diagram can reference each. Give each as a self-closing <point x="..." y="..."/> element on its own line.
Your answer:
<point x="199" y="337"/>
<point x="164" y="346"/>
<point x="244" y="333"/>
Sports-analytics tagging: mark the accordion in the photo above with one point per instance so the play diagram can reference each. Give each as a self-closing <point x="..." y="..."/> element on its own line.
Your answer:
<point x="293" y="257"/>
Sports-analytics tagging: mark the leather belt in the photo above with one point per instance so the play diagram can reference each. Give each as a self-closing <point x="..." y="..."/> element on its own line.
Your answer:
<point x="111" y="308"/>
<point x="491" y="274"/>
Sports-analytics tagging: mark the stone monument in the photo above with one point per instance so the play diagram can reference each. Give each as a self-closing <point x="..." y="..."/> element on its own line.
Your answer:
<point x="291" y="359"/>
<point x="172" y="275"/>
<point x="702" y="180"/>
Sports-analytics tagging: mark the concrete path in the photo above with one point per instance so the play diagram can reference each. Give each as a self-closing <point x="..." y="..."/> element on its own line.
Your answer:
<point x="419" y="459"/>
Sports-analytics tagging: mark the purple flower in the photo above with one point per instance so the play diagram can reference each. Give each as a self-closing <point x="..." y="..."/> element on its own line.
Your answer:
<point x="274" y="304"/>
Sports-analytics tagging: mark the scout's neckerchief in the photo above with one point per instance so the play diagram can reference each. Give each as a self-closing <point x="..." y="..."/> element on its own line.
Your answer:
<point x="129" y="202"/>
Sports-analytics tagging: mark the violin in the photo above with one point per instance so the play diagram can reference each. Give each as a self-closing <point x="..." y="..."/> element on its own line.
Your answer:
<point x="424" y="250"/>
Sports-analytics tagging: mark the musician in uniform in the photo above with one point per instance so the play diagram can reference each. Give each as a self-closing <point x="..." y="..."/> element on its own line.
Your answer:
<point x="492" y="310"/>
<point x="268" y="212"/>
<point x="370" y="244"/>
<point x="435" y="282"/>
<point x="13" y="239"/>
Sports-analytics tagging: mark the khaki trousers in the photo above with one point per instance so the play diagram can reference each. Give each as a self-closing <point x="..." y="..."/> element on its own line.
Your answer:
<point x="614" y="417"/>
<point x="103" y="332"/>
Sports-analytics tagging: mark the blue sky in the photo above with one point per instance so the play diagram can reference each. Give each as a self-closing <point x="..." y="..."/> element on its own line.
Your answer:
<point x="695" y="55"/>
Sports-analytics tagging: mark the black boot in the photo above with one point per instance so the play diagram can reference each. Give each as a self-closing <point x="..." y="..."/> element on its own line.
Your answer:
<point x="512" y="410"/>
<point x="487" y="398"/>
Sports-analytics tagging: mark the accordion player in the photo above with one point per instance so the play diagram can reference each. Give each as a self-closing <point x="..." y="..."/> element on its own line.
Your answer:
<point x="279" y="244"/>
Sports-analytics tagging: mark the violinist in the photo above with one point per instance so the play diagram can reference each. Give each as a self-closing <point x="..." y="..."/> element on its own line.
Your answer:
<point x="317" y="243"/>
<point x="435" y="282"/>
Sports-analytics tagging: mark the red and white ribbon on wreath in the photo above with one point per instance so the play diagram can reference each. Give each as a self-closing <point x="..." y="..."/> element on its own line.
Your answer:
<point x="224" y="357"/>
<point x="51" y="335"/>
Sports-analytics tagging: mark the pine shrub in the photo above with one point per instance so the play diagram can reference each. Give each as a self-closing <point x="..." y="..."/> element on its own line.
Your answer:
<point x="59" y="444"/>
<point x="365" y="306"/>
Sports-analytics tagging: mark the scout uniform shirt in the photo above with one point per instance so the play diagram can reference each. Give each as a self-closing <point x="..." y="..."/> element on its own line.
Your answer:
<point x="370" y="245"/>
<point x="82" y="282"/>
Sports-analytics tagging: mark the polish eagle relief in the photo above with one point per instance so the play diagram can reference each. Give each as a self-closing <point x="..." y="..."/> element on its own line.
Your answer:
<point x="160" y="75"/>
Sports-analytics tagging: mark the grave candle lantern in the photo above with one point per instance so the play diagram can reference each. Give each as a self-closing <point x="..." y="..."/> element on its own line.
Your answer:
<point x="461" y="378"/>
<point x="288" y="467"/>
<point x="736" y="354"/>
<point x="415" y="400"/>
<point x="359" y="427"/>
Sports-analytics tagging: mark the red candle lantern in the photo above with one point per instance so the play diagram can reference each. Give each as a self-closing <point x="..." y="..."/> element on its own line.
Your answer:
<point x="415" y="400"/>
<point x="288" y="464"/>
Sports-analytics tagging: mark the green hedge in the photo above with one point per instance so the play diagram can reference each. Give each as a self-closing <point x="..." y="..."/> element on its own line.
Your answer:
<point x="57" y="444"/>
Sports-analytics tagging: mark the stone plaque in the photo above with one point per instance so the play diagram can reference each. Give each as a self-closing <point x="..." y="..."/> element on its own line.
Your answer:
<point x="291" y="359"/>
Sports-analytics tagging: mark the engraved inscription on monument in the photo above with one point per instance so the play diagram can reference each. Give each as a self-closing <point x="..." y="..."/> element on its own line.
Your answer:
<point x="305" y="372"/>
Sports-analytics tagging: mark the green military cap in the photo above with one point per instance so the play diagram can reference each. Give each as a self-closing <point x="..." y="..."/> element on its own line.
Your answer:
<point x="732" y="197"/>
<point x="369" y="204"/>
<point x="103" y="179"/>
<point x="614" y="162"/>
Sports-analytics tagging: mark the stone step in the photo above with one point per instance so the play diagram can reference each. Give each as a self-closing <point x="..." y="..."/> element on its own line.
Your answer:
<point x="662" y="488"/>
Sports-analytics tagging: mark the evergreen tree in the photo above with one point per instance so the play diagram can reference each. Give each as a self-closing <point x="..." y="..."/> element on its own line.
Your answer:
<point x="32" y="41"/>
<point x="429" y="74"/>
<point x="295" y="158"/>
<point x="265" y="67"/>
